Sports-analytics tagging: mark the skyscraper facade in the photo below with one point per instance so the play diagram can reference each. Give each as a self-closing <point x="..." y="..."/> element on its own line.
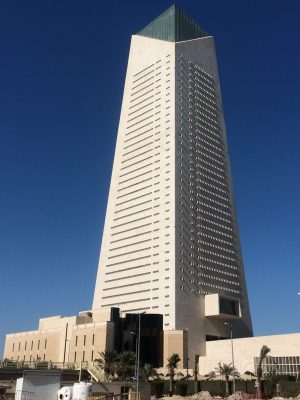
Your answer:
<point x="171" y="242"/>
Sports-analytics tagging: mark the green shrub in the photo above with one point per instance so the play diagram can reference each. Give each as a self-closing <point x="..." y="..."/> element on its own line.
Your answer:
<point x="289" y="378"/>
<point x="198" y="387"/>
<point x="191" y="387"/>
<point x="240" y="386"/>
<point x="166" y="386"/>
<point x="250" y="387"/>
<point x="268" y="388"/>
<point x="218" y="388"/>
<point x="215" y="388"/>
<point x="289" y="388"/>
<point x="157" y="388"/>
<point x="181" y="388"/>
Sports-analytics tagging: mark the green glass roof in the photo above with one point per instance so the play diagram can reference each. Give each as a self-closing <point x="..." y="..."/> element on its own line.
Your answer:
<point x="173" y="25"/>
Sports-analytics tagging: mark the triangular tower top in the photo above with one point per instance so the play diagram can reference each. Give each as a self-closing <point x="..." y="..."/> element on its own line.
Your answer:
<point x="173" y="25"/>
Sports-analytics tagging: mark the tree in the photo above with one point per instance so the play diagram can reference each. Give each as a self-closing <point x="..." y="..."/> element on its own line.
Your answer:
<point x="148" y="371"/>
<point x="259" y="372"/>
<point x="196" y="389"/>
<point x="107" y="362"/>
<point x="172" y="365"/>
<point x="274" y="378"/>
<point x="272" y="375"/>
<point x="126" y="361"/>
<point x="226" y="370"/>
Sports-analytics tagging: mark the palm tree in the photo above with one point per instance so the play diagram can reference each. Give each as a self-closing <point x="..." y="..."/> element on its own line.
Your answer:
<point x="148" y="372"/>
<point x="196" y="388"/>
<point x="126" y="361"/>
<point x="259" y="372"/>
<point x="107" y="361"/>
<point x="172" y="365"/>
<point x="226" y="370"/>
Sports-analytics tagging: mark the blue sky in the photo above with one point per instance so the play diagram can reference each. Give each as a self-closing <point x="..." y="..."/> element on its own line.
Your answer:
<point x="62" y="70"/>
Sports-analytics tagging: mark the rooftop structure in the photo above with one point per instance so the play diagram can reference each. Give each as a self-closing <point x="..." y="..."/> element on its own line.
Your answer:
<point x="173" y="25"/>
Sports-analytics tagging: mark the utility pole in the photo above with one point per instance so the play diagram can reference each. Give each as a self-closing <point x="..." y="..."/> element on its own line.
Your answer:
<point x="138" y="352"/>
<point x="65" y="346"/>
<point x="187" y="367"/>
<point x="196" y="373"/>
<point x="232" y="356"/>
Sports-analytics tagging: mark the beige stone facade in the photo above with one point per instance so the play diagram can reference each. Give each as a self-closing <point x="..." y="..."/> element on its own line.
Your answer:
<point x="63" y="339"/>
<point x="284" y="354"/>
<point x="176" y="342"/>
<point x="90" y="339"/>
<point x="33" y="345"/>
<point x="79" y="338"/>
<point x="70" y="340"/>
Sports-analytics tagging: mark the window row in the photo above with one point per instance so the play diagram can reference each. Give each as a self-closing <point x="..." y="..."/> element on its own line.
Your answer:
<point x="33" y="344"/>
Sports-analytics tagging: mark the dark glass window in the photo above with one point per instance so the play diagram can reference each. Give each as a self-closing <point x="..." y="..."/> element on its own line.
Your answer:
<point x="228" y="306"/>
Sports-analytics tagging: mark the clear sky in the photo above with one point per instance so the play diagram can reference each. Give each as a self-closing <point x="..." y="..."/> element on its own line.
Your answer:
<point x="62" y="70"/>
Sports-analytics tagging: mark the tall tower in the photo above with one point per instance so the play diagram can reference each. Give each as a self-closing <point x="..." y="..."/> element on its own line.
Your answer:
<point x="171" y="242"/>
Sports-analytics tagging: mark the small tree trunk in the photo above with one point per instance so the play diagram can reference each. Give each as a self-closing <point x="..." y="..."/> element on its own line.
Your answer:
<point x="196" y="384"/>
<point x="227" y="386"/>
<point x="106" y="373"/>
<point x="196" y="374"/>
<point x="259" y="391"/>
<point x="171" y="383"/>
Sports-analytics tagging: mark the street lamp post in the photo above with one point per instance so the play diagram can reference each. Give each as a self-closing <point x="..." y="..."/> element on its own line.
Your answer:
<point x="65" y="346"/>
<point x="138" y="352"/>
<point x="232" y="355"/>
<point x="187" y="367"/>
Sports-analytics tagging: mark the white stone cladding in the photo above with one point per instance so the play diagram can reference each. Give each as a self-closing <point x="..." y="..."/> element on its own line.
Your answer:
<point x="170" y="234"/>
<point x="136" y="270"/>
<point x="285" y="346"/>
<point x="208" y="253"/>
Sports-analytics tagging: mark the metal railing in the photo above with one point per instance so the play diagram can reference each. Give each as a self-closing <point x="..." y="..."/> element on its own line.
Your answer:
<point x="42" y="365"/>
<point x="46" y="365"/>
<point x="96" y="372"/>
